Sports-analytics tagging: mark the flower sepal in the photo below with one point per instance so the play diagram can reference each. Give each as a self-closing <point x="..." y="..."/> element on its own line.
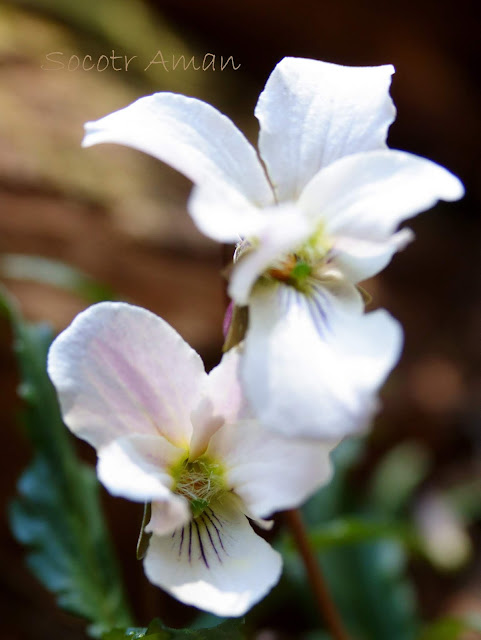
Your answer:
<point x="144" y="536"/>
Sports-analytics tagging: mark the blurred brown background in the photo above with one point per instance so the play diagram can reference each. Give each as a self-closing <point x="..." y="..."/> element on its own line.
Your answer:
<point x="120" y="216"/>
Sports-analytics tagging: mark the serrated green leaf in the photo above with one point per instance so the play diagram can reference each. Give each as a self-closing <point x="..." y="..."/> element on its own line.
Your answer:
<point x="57" y="513"/>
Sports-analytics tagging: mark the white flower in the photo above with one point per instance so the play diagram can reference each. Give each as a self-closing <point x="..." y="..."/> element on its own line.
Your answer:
<point x="168" y="433"/>
<point x="317" y="213"/>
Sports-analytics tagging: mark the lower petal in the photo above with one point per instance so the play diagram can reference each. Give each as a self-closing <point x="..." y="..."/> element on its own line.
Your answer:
<point x="311" y="369"/>
<point x="215" y="562"/>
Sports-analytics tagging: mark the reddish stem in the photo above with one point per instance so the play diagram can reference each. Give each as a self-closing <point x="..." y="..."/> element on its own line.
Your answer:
<point x="318" y="585"/>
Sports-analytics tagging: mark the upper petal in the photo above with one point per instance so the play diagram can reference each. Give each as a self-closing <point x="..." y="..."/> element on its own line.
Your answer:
<point x="223" y="402"/>
<point x="120" y="370"/>
<point x="311" y="370"/>
<point x="268" y="471"/>
<point x="216" y="562"/>
<point x="189" y="135"/>
<point x="311" y="113"/>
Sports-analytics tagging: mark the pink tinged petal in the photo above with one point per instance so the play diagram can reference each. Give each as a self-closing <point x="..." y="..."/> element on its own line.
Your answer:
<point x="137" y="467"/>
<point x="366" y="196"/>
<point x="169" y="514"/>
<point x="121" y="370"/>
<point x="223" y="402"/>
<point x="267" y="471"/>
<point x="311" y="113"/>
<point x="312" y="370"/>
<point x="216" y="562"/>
<point x="190" y="136"/>
<point x="286" y="228"/>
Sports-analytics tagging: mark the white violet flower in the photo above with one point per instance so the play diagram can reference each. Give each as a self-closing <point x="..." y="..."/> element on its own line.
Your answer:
<point x="168" y="433"/>
<point x="316" y="212"/>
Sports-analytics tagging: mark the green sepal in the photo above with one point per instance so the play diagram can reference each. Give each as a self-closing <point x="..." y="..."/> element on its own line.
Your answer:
<point x="144" y="538"/>
<point x="366" y="296"/>
<point x="237" y="328"/>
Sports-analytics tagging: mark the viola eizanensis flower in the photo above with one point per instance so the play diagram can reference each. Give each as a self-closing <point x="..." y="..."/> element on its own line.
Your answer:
<point x="315" y="213"/>
<point x="168" y="433"/>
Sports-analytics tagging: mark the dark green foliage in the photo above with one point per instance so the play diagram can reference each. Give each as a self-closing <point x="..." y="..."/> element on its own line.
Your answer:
<point x="57" y="513"/>
<point x="229" y="630"/>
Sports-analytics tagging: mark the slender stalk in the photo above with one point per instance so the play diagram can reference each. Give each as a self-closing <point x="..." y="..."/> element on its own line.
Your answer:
<point x="318" y="585"/>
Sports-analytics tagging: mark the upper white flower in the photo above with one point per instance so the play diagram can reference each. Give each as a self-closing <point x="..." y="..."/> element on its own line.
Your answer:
<point x="317" y="212"/>
<point x="168" y="433"/>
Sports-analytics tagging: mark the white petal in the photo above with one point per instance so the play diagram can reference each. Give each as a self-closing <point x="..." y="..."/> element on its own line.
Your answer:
<point x="268" y="471"/>
<point x="360" y="259"/>
<point x="285" y="229"/>
<point x="223" y="214"/>
<point x="312" y="113"/>
<point x="190" y="136"/>
<point x="223" y="402"/>
<point x="216" y="563"/>
<point x="367" y="195"/>
<point x="136" y="467"/>
<point x="168" y="515"/>
<point x="120" y="370"/>
<point x="311" y="370"/>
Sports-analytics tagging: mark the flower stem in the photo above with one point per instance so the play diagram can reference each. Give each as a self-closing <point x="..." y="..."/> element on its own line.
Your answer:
<point x="318" y="585"/>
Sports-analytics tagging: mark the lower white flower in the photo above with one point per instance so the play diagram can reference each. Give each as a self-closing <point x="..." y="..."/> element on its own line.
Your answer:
<point x="169" y="434"/>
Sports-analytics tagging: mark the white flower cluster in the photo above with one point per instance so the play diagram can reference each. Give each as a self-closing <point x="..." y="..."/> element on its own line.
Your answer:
<point x="314" y="213"/>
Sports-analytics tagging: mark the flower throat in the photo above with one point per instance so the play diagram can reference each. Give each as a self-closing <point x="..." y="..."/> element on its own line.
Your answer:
<point x="200" y="482"/>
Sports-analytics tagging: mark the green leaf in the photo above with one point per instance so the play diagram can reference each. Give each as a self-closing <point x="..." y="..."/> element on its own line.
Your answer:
<point x="123" y="634"/>
<point x="55" y="273"/>
<point x="451" y="628"/>
<point x="57" y="514"/>
<point x="229" y="630"/>
<point x="392" y="485"/>
<point x="351" y="529"/>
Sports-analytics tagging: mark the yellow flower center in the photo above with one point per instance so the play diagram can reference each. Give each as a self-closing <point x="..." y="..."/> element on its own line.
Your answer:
<point x="199" y="481"/>
<point x="296" y="267"/>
